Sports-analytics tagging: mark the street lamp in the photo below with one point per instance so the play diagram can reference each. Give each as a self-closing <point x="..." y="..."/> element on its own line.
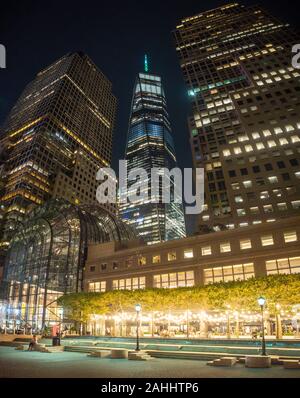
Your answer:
<point x="138" y="308"/>
<point x="262" y="302"/>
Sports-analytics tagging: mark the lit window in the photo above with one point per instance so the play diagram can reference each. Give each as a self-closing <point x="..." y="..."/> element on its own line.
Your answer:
<point x="249" y="148"/>
<point x="171" y="256"/>
<point x="273" y="179"/>
<point x="228" y="273"/>
<point x="283" y="141"/>
<point x="289" y="128"/>
<point x="255" y="136"/>
<point x="226" y="152"/>
<point x="174" y="280"/>
<point x="290" y="237"/>
<point x="129" y="283"/>
<point x="295" y="138"/>
<point x="278" y="130"/>
<point x="282" y="206"/>
<point x="206" y="251"/>
<point x="247" y="184"/>
<point x="283" y="266"/>
<point x="241" y="212"/>
<point x="238" y="199"/>
<point x="225" y="247"/>
<point x="254" y="210"/>
<point x="237" y="150"/>
<point x="268" y="208"/>
<point x="296" y="204"/>
<point x="271" y="144"/>
<point x="260" y="146"/>
<point x="235" y="186"/>
<point x="267" y="240"/>
<point x="188" y="253"/>
<point x="264" y="195"/>
<point x="142" y="260"/>
<point x="243" y="138"/>
<point x="97" y="286"/>
<point x="156" y="259"/>
<point x="245" y="244"/>
<point x="267" y="133"/>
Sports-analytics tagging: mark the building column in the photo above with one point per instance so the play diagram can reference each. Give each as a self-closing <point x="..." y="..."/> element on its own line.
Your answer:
<point x="109" y="286"/>
<point x="198" y="273"/>
<point x="260" y="267"/>
<point x="149" y="281"/>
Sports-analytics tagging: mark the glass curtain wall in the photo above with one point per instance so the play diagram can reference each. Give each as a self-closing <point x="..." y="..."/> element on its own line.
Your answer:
<point x="46" y="259"/>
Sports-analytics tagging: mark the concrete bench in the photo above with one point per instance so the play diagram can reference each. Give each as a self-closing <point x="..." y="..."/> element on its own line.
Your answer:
<point x="258" y="361"/>
<point x="99" y="354"/>
<point x="291" y="364"/>
<point x="119" y="354"/>
<point x="20" y="348"/>
<point x="138" y="356"/>
<point x="224" y="361"/>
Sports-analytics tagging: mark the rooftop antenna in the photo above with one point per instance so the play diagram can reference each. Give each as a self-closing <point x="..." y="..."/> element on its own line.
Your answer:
<point x="146" y="66"/>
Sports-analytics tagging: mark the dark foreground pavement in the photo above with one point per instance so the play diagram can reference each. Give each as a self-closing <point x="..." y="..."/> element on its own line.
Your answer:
<point x="67" y="364"/>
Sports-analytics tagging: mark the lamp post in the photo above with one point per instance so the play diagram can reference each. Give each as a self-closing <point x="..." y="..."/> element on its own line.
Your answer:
<point x="138" y="308"/>
<point x="262" y="302"/>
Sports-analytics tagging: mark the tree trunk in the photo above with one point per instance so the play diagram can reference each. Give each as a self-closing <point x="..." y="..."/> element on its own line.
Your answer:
<point x="278" y="327"/>
<point x="204" y="329"/>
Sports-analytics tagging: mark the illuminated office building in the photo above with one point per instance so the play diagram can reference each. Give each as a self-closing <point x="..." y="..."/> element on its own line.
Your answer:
<point x="55" y="139"/>
<point x="244" y="126"/>
<point x="150" y="145"/>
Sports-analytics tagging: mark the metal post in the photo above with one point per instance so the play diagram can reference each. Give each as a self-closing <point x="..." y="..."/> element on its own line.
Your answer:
<point x="137" y="332"/>
<point x="187" y="325"/>
<point x="263" y="342"/>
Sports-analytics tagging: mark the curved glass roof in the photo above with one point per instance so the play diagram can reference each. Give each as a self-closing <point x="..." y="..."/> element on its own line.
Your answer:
<point x="47" y="255"/>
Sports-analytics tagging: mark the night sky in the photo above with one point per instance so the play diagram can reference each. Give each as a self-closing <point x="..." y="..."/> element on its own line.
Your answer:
<point x="115" y="34"/>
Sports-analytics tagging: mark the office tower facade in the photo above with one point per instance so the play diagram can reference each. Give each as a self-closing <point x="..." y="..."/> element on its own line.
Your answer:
<point x="244" y="126"/>
<point x="55" y="138"/>
<point x="150" y="145"/>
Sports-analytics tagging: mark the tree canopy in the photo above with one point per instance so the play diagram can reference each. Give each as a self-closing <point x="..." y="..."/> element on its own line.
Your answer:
<point x="277" y="289"/>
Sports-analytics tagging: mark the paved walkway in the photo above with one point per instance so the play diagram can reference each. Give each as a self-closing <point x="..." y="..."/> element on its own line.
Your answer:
<point x="67" y="364"/>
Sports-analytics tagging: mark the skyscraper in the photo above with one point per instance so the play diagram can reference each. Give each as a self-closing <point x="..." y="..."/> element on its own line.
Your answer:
<point x="244" y="126"/>
<point x="150" y="145"/>
<point x="55" y="138"/>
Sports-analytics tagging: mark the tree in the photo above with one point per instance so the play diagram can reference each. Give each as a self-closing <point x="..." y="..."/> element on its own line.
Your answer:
<point x="277" y="289"/>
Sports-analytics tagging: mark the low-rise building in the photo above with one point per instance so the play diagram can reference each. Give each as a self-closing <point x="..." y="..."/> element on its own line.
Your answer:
<point x="258" y="250"/>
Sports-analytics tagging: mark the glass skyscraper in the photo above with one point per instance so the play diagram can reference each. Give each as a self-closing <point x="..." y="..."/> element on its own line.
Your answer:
<point x="150" y="145"/>
<point x="55" y="139"/>
<point x="244" y="125"/>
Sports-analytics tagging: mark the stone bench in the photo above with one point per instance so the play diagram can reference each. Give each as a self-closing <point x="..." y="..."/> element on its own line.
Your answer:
<point x="291" y="364"/>
<point x="257" y="361"/>
<point x="99" y="354"/>
<point x="20" y="348"/>
<point x="224" y="361"/>
<point x="138" y="356"/>
<point x="119" y="354"/>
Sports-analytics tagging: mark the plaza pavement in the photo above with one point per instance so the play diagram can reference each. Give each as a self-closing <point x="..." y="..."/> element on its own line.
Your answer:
<point x="15" y="364"/>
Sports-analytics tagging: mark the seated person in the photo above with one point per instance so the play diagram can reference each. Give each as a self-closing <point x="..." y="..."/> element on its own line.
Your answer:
<point x="32" y="343"/>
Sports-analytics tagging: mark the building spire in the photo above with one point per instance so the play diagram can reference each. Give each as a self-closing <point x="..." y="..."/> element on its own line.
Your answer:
<point x="146" y="66"/>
